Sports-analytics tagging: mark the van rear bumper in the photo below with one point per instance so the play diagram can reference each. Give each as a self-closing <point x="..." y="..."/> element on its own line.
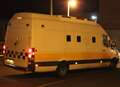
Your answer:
<point x="10" y="63"/>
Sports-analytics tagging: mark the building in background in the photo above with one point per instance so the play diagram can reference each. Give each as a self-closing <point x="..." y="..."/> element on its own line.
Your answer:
<point x="109" y="15"/>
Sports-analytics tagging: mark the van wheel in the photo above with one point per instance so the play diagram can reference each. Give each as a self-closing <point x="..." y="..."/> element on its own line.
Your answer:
<point x="62" y="69"/>
<point x="114" y="63"/>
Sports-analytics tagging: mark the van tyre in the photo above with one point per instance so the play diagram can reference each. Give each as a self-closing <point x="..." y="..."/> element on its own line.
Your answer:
<point x="62" y="69"/>
<point x="114" y="63"/>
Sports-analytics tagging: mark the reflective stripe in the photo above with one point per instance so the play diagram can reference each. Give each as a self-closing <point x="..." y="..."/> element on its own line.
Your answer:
<point x="72" y="56"/>
<point x="15" y="54"/>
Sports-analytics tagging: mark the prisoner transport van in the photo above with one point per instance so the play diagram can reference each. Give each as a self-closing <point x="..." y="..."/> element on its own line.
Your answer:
<point x="42" y="43"/>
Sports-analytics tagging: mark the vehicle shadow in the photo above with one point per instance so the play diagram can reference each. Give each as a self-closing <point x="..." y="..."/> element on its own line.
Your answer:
<point x="33" y="75"/>
<point x="73" y="73"/>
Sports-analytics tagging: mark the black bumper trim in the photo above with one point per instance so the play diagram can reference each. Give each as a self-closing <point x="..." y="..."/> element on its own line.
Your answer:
<point x="53" y="63"/>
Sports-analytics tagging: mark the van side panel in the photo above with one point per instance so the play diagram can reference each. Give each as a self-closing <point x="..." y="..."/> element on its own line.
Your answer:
<point x="51" y="44"/>
<point x="48" y="39"/>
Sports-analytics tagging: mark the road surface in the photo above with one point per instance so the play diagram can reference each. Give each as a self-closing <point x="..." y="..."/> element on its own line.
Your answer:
<point x="82" y="78"/>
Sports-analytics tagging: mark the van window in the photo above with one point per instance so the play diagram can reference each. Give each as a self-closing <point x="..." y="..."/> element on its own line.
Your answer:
<point x="94" y="39"/>
<point x="78" y="38"/>
<point x="106" y="41"/>
<point x="68" y="38"/>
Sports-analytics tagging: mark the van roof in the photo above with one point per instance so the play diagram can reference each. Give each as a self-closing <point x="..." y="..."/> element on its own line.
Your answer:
<point x="54" y="17"/>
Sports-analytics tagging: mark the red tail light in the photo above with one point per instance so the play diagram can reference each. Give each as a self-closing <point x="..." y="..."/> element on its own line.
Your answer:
<point x="4" y="49"/>
<point x="29" y="56"/>
<point x="31" y="52"/>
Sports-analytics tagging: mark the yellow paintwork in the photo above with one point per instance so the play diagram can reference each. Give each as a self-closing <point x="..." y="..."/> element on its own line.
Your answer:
<point x="47" y="34"/>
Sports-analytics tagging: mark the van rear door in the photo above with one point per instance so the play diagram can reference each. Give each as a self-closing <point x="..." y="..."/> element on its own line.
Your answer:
<point x="17" y="40"/>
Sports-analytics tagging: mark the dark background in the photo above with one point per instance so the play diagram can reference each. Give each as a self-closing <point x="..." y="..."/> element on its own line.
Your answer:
<point x="9" y="7"/>
<point x="109" y="18"/>
<point x="109" y="11"/>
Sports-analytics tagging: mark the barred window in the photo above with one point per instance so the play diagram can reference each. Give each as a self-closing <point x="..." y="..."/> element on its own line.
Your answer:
<point x="68" y="38"/>
<point x="78" y="38"/>
<point x="94" y="39"/>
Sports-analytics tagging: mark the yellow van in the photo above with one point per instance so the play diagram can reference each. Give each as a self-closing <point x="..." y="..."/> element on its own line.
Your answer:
<point x="43" y="43"/>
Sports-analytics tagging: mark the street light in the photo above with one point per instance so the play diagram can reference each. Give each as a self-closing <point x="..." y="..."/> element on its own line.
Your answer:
<point x="94" y="17"/>
<point x="71" y="3"/>
<point x="51" y="7"/>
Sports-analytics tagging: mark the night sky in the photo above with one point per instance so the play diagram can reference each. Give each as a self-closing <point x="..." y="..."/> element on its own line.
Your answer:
<point x="9" y="7"/>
